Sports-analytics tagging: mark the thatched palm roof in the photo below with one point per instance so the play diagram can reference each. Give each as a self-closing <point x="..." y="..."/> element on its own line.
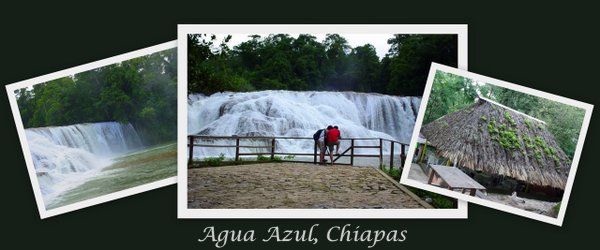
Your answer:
<point x="494" y="139"/>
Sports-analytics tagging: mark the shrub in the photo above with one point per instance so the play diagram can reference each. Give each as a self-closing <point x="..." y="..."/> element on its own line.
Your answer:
<point x="215" y="161"/>
<point x="262" y="158"/>
<point x="394" y="172"/>
<point x="438" y="201"/>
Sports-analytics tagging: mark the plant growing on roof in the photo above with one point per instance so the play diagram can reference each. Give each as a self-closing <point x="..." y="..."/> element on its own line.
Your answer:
<point x="538" y="155"/>
<point x="492" y="127"/>
<point x="528" y="124"/>
<point x="509" y="139"/>
<point x="556" y="161"/>
<point x="509" y="118"/>
<point x="503" y="127"/>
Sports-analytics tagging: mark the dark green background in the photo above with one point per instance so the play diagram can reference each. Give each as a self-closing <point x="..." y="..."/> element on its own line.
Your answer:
<point x="549" y="47"/>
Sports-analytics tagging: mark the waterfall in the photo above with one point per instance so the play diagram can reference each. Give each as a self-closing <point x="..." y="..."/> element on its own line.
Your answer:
<point x="299" y="114"/>
<point x="63" y="156"/>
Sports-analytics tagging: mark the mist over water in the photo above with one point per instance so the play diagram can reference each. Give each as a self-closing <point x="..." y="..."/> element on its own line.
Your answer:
<point x="299" y="114"/>
<point x="66" y="156"/>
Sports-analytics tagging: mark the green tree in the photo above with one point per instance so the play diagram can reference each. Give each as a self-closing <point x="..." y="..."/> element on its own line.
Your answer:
<point x="411" y="57"/>
<point x="141" y="91"/>
<point x="364" y="69"/>
<point x="449" y="93"/>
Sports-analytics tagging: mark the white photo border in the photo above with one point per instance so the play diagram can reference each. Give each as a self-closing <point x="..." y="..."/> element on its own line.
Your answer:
<point x="183" y="30"/>
<point x="11" y="88"/>
<point x="418" y="124"/>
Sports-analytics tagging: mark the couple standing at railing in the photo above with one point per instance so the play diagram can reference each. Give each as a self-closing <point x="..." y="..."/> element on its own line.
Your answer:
<point x="327" y="139"/>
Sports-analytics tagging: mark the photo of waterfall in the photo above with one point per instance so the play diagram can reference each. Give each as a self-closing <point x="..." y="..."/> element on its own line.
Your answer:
<point x="301" y="119"/>
<point x="100" y="131"/>
<point x="299" y="114"/>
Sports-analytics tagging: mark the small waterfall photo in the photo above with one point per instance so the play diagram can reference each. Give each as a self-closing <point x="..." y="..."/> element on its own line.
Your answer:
<point x="100" y="131"/>
<point x="304" y="117"/>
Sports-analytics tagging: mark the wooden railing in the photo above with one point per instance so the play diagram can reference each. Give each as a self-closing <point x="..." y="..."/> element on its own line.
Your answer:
<point x="272" y="152"/>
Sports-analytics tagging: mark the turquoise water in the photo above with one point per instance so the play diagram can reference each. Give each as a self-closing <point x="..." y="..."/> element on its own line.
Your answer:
<point x="137" y="168"/>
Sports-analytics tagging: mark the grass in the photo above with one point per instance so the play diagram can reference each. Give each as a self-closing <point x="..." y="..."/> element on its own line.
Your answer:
<point x="215" y="161"/>
<point x="394" y="172"/>
<point x="438" y="201"/>
<point x="222" y="161"/>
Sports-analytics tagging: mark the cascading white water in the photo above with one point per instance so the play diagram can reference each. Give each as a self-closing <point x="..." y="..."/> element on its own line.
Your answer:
<point x="64" y="156"/>
<point x="299" y="114"/>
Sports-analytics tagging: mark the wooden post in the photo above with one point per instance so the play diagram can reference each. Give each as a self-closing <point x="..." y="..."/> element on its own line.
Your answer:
<point x="191" y="152"/>
<point x="352" y="152"/>
<point x="392" y="156"/>
<point x="423" y="152"/>
<point x="402" y="157"/>
<point x="315" y="161"/>
<point x="380" y="153"/>
<point x="472" y="193"/>
<point x="273" y="148"/>
<point x="431" y="174"/>
<point x="237" y="149"/>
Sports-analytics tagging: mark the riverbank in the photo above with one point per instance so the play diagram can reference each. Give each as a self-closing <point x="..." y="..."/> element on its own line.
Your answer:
<point x="137" y="168"/>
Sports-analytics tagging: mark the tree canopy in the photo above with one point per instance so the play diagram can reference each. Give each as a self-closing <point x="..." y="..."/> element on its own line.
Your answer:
<point x="279" y="61"/>
<point x="142" y="91"/>
<point x="451" y="93"/>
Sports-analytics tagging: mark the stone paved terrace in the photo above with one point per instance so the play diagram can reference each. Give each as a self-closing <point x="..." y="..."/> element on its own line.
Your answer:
<point x="296" y="185"/>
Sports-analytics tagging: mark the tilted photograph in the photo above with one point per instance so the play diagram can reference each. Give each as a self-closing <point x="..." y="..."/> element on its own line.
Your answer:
<point x="505" y="146"/>
<point x="99" y="133"/>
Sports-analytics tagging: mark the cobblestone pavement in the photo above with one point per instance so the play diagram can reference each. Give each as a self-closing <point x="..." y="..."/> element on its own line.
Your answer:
<point x="294" y="185"/>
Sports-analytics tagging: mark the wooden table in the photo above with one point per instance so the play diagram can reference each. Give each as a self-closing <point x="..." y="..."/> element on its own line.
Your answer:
<point x="453" y="179"/>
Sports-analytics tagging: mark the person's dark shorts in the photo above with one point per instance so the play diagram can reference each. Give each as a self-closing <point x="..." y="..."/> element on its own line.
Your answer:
<point x="331" y="144"/>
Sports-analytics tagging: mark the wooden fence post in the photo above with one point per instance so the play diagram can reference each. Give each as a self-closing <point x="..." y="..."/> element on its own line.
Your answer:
<point x="273" y="148"/>
<point x="402" y="157"/>
<point x="237" y="149"/>
<point x="191" y="152"/>
<point x="380" y="153"/>
<point x="352" y="152"/>
<point x="315" y="160"/>
<point x="392" y="156"/>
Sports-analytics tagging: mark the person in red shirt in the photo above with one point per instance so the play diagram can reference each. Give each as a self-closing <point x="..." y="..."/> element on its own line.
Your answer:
<point x="333" y="136"/>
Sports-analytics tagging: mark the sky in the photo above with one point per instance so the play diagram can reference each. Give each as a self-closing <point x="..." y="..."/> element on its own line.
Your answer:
<point x="379" y="41"/>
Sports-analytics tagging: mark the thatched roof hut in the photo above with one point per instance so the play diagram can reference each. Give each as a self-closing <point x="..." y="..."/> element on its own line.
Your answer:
<point x="495" y="139"/>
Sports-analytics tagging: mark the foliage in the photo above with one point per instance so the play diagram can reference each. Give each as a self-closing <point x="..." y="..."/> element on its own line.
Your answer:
<point x="141" y="91"/>
<point x="262" y="158"/>
<point x="509" y="139"/>
<point x="451" y="93"/>
<point x="509" y="118"/>
<point x="556" y="208"/>
<point x="215" y="161"/>
<point x="438" y="201"/>
<point x="279" y="61"/>
<point x="563" y="121"/>
<point x="289" y="157"/>
<point x="392" y="172"/>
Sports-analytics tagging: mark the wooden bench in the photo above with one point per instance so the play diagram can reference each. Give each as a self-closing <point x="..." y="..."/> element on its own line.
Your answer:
<point x="453" y="179"/>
